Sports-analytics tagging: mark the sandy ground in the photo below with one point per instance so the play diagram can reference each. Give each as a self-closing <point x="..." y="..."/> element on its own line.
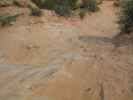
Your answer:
<point x="89" y="66"/>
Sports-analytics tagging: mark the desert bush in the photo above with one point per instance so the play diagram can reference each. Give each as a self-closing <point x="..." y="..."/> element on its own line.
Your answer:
<point x="82" y="13"/>
<point x="65" y="7"/>
<point x="126" y="15"/>
<point x="72" y="3"/>
<point x="49" y="4"/>
<point x="35" y="10"/>
<point x="62" y="7"/>
<point x="91" y="5"/>
<point x="7" y="19"/>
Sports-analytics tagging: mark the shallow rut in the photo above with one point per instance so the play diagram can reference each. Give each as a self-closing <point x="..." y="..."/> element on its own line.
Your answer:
<point x="17" y="80"/>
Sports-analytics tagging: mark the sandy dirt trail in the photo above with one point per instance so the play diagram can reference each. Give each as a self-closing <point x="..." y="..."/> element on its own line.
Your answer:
<point x="70" y="59"/>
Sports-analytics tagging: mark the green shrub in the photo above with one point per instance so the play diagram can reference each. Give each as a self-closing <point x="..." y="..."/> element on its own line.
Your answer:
<point x="49" y="4"/>
<point x="72" y="3"/>
<point x="126" y="15"/>
<point x="82" y="13"/>
<point x="91" y="5"/>
<point x="61" y="7"/>
<point x="64" y="7"/>
<point x="7" y="19"/>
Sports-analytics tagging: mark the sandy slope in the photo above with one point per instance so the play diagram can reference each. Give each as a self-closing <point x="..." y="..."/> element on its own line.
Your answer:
<point x="90" y="66"/>
<point x="38" y="40"/>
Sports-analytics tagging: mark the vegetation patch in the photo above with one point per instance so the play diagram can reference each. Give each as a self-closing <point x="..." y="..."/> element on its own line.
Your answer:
<point x="126" y="16"/>
<point x="7" y="19"/>
<point x="90" y="5"/>
<point x="65" y="7"/>
<point x="82" y="13"/>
